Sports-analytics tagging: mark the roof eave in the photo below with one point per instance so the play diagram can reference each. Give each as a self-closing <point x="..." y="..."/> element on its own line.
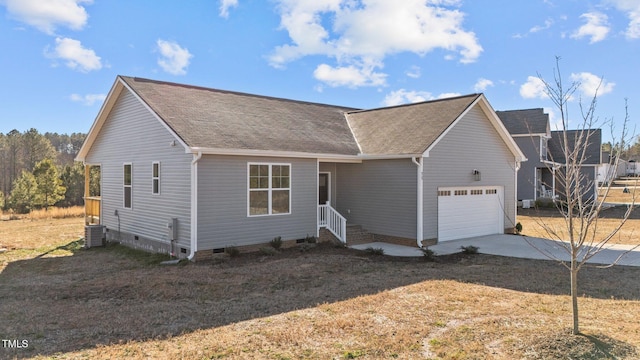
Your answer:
<point x="328" y="157"/>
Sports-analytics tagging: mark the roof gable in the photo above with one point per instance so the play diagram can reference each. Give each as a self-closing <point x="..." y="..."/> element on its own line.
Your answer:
<point x="525" y="122"/>
<point x="406" y="129"/>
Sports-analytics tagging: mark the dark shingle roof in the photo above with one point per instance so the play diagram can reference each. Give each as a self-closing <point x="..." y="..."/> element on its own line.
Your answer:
<point x="592" y="138"/>
<point x="406" y="129"/>
<point x="524" y="122"/>
<point x="210" y="118"/>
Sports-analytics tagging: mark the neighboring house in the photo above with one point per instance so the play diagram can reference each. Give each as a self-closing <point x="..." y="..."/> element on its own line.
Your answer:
<point x="608" y="170"/>
<point x="543" y="148"/>
<point x="530" y="130"/>
<point x="194" y="170"/>
<point x="590" y="141"/>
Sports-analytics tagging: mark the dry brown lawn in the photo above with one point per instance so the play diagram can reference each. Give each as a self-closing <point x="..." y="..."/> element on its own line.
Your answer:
<point x="533" y="219"/>
<point x="326" y="303"/>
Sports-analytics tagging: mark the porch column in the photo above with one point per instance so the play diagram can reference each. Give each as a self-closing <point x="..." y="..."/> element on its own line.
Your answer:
<point x="87" y="179"/>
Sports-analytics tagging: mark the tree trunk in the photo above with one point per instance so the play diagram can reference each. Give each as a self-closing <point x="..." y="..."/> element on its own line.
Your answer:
<point x="574" y="296"/>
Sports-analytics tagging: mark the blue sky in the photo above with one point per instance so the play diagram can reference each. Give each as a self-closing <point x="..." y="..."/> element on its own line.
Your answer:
<point x="60" y="57"/>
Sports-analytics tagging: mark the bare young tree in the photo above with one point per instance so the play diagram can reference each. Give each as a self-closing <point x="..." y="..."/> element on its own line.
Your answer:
<point x="580" y="236"/>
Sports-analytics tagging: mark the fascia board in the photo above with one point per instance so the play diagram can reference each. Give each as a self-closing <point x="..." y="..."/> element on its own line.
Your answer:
<point x="296" y="154"/>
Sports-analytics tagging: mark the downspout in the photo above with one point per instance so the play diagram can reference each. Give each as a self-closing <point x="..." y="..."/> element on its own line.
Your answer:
<point x="194" y="205"/>
<point x="420" y="201"/>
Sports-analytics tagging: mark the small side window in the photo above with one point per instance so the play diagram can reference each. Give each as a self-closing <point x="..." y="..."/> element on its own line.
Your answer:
<point x="155" y="178"/>
<point x="127" y="180"/>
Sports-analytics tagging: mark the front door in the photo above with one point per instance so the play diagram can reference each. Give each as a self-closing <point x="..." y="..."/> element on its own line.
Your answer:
<point x="323" y="188"/>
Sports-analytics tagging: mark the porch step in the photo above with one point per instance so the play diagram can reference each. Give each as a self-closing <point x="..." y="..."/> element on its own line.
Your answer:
<point x="357" y="235"/>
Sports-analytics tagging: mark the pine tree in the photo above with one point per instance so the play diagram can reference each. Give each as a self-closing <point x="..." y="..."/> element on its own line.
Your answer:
<point x="49" y="184"/>
<point x="24" y="194"/>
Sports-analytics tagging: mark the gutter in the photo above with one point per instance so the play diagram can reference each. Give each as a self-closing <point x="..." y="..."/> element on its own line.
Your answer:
<point x="420" y="200"/>
<point x="194" y="205"/>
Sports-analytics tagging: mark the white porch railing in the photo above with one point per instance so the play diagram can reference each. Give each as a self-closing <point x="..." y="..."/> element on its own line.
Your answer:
<point x="329" y="218"/>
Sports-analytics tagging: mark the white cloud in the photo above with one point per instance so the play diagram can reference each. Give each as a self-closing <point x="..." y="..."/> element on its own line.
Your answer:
<point x="534" y="88"/>
<point x="76" y="56"/>
<point x="47" y="15"/>
<point x="351" y="76"/>
<point x="356" y="33"/>
<point x="174" y="58"/>
<point x="88" y="99"/>
<point x="555" y="121"/>
<point x="596" y="27"/>
<point x="632" y="9"/>
<point x="415" y="72"/>
<point x="538" y="28"/>
<point x="589" y="84"/>
<point x="403" y="96"/>
<point x="482" y="84"/>
<point x="586" y="84"/>
<point x="225" y="5"/>
<point x="448" y="95"/>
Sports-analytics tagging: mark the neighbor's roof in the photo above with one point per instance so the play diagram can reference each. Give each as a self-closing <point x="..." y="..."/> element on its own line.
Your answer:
<point x="525" y="122"/>
<point x="588" y="139"/>
<point x="406" y="129"/>
<point x="210" y="118"/>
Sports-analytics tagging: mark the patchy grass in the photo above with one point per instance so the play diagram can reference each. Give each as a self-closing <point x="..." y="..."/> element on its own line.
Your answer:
<point x="325" y="303"/>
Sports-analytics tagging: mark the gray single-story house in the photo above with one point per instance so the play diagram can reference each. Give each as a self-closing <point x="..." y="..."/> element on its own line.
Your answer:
<point x="193" y="170"/>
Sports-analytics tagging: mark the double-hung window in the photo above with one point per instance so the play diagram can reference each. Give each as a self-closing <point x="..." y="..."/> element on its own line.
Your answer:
<point x="126" y="183"/>
<point x="269" y="189"/>
<point x="155" y="178"/>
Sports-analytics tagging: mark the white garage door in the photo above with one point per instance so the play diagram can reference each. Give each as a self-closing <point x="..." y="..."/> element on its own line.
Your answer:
<point x="469" y="211"/>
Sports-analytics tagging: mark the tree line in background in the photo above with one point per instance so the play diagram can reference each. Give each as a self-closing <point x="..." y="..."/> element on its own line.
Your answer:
<point x="38" y="170"/>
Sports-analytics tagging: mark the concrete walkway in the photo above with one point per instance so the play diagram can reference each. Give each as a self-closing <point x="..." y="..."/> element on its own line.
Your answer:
<point x="513" y="246"/>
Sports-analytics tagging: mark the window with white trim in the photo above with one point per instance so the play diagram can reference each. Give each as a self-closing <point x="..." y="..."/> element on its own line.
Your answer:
<point x="155" y="178"/>
<point x="269" y="189"/>
<point x="127" y="177"/>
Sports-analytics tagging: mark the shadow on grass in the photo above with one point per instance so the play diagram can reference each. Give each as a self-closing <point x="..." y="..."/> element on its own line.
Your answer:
<point x="72" y="247"/>
<point x="615" y="212"/>
<point x="114" y="295"/>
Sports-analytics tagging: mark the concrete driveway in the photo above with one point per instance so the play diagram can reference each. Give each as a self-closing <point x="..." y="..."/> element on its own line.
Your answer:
<point x="514" y="246"/>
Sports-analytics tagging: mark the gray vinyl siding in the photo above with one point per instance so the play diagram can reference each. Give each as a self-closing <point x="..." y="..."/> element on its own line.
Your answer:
<point x="379" y="195"/>
<point x="530" y="146"/>
<point x="222" y="203"/>
<point x="471" y="144"/>
<point x="588" y="182"/>
<point x="133" y="135"/>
